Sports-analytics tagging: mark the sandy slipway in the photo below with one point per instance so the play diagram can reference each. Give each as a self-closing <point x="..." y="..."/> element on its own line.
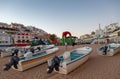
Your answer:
<point x="97" y="67"/>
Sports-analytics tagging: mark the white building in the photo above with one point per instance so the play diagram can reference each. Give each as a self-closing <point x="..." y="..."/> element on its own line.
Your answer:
<point x="112" y="27"/>
<point x="36" y="30"/>
<point x="115" y="36"/>
<point x="5" y="25"/>
<point x="30" y="28"/>
<point x="22" y="39"/>
<point x="5" y="40"/>
<point x="100" y="33"/>
<point x="2" y="31"/>
<point x="16" y="25"/>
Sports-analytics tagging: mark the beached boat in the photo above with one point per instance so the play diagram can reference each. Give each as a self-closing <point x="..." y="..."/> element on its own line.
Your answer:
<point x="9" y="50"/>
<point x="43" y="47"/>
<point x="109" y="49"/>
<point x="6" y="51"/>
<point x="36" y="59"/>
<point x="72" y="59"/>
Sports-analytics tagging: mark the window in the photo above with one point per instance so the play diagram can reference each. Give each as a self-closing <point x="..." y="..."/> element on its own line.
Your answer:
<point x="118" y="33"/>
<point x="23" y="41"/>
<point x="2" y="42"/>
<point x="6" y="41"/>
<point x="19" y="41"/>
<point x="18" y="36"/>
<point x="27" y="41"/>
<point x="22" y="36"/>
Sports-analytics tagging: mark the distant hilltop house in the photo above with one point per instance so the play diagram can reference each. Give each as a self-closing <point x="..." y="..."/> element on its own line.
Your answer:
<point x="3" y="25"/>
<point x="16" y="25"/>
<point x="7" y="28"/>
<point x="112" y="27"/>
<point x="86" y="39"/>
<point x="36" y="31"/>
<point x="19" y="27"/>
<point x="112" y="31"/>
<point x="115" y="36"/>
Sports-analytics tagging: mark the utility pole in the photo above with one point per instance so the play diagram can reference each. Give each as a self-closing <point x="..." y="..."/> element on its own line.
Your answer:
<point x="99" y="34"/>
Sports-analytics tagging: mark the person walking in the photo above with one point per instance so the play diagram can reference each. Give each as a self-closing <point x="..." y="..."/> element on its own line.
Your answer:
<point x="66" y="45"/>
<point x="73" y="44"/>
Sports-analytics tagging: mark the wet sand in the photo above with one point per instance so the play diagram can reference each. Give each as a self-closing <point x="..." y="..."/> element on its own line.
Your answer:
<point x="97" y="67"/>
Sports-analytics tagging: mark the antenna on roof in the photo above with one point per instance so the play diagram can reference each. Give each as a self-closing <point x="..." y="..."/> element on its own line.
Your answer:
<point x="99" y="27"/>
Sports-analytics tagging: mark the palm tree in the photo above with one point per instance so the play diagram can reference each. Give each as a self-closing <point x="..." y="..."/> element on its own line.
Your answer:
<point x="53" y="37"/>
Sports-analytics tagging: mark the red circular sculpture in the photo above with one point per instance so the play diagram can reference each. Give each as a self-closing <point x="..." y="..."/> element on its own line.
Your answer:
<point x="65" y="33"/>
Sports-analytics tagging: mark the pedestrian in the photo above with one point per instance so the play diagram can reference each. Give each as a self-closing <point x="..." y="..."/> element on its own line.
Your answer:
<point x="73" y="44"/>
<point x="66" y="45"/>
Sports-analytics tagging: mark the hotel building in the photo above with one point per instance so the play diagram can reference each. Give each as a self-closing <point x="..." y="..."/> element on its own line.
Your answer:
<point x="22" y="39"/>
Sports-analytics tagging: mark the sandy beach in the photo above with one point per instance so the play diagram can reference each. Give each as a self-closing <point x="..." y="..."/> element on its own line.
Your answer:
<point x="97" y="67"/>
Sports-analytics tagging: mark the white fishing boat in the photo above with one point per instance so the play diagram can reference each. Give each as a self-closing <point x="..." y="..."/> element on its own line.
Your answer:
<point x="70" y="60"/>
<point x="9" y="50"/>
<point x="6" y="51"/>
<point x="36" y="59"/>
<point x="44" y="46"/>
<point x="109" y="49"/>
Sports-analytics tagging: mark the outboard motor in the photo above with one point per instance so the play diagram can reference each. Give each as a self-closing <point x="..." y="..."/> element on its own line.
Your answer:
<point x="13" y="62"/>
<point x="0" y="51"/>
<point x="55" y="63"/>
<point x="15" y="52"/>
<point x="39" y="48"/>
<point x="105" y="49"/>
<point x="32" y="50"/>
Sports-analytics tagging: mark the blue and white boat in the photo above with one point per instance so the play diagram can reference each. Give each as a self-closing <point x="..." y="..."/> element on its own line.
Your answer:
<point x="70" y="60"/>
<point x="109" y="49"/>
<point x="36" y="59"/>
<point x="9" y="50"/>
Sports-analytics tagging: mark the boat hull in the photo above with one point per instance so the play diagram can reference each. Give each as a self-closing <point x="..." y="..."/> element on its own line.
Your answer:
<point x="110" y="52"/>
<point x="7" y="54"/>
<point x="72" y="66"/>
<point x="68" y="65"/>
<point x="24" y="65"/>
